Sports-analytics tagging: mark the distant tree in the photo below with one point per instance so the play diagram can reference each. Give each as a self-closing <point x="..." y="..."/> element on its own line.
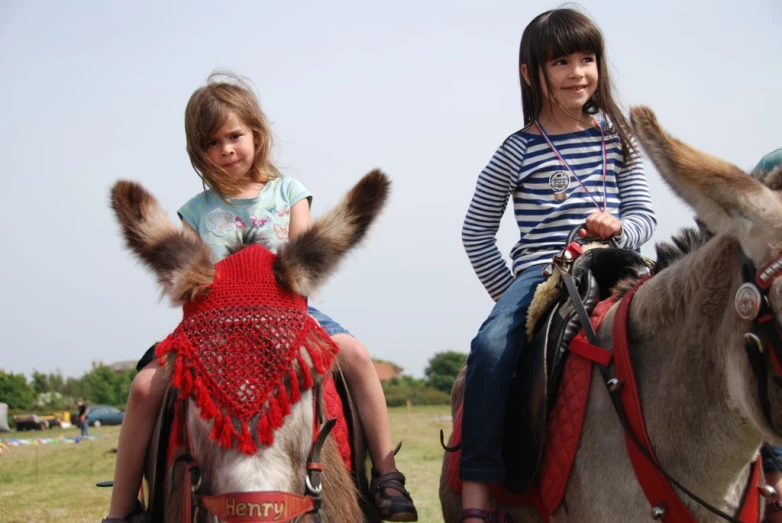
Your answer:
<point x="40" y="382"/>
<point x="443" y="368"/>
<point x="56" y="382"/>
<point x="73" y="387"/>
<point x="15" y="391"/>
<point x="103" y="385"/>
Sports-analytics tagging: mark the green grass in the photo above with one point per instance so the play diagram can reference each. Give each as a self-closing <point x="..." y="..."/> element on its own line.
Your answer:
<point x="57" y="482"/>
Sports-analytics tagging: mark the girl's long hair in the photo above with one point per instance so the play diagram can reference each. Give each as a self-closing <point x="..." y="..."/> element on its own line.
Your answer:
<point x="207" y="111"/>
<point x="561" y="32"/>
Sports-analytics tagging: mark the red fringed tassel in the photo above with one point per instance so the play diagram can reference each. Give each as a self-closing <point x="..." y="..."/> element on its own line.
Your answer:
<point x="186" y="382"/>
<point x="317" y="359"/>
<point x="216" y="428"/>
<point x="227" y="432"/>
<point x="265" y="435"/>
<point x="274" y="414"/>
<point x="204" y="401"/>
<point x="245" y="441"/>
<point x="282" y="396"/>
<point x="295" y="392"/>
<point x="305" y="373"/>
<point x="176" y="375"/>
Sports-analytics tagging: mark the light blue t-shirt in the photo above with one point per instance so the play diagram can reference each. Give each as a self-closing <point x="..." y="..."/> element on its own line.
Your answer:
<point x="221" y="224"/>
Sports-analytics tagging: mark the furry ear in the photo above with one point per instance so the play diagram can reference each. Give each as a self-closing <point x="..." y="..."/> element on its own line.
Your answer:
<point x="306" y="261"/>
<point x="725" y="198"/>
<point x="177" y="256"/>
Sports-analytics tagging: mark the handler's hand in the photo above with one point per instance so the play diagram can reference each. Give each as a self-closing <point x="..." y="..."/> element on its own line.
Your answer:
<point x="602" y="225"/>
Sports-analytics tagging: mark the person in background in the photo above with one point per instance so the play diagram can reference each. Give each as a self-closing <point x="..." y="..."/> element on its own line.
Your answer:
<point x="82" y="416"/>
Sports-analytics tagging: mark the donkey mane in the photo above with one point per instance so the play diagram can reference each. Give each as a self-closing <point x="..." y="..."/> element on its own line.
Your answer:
<point x="248" y="237"/>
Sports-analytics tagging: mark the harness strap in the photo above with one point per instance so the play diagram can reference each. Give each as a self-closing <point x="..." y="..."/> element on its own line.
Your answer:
<point x="654" y="480"/>
<point x="656" y="487"/>
<point x="314" y="466"/>
<point x="245" y="507"/>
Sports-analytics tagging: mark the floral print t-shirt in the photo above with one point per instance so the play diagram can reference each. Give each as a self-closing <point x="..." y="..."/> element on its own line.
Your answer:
<point x="221" y="224"/>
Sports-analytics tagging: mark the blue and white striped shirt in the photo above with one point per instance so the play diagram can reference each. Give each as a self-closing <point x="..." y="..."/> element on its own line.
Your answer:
<point x="549" y="202"/>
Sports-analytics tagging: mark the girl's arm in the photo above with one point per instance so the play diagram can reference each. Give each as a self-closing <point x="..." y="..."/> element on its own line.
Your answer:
<point x="635" y="202"/>
<point x="300" y="218"/>
<point x="187" y="226"/>
<point x="494" y="187"/>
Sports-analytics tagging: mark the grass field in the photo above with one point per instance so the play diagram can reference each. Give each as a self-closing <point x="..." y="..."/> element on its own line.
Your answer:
<point x="57" y="482"/>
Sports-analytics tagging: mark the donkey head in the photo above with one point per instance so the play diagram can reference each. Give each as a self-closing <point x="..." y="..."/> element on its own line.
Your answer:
<point x="731" y="203"/>
<point x="182" y="262"/>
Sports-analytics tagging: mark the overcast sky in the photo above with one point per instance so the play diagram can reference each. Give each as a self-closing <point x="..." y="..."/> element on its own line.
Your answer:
<point x="427" y="90"/>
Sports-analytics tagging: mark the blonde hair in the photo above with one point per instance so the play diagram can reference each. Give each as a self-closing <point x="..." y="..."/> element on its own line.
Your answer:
<point x="206" y="112"/>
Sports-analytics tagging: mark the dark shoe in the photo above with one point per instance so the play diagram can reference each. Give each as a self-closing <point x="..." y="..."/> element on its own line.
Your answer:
<point x="392" y="508"/>
<point x="495" y="516"/>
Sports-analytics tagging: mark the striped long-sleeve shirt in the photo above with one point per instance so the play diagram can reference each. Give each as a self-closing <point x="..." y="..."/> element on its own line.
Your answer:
<point x="549" y="201"/>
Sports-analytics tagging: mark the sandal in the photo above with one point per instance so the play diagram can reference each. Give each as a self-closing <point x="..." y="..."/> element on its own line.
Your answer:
<point x="391" y="507"/>
<point x="495" y="516"/>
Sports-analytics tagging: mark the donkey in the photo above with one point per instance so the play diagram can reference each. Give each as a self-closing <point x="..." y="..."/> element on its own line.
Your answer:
<point x="269" y="452"/>
<point x="709" y="399"/>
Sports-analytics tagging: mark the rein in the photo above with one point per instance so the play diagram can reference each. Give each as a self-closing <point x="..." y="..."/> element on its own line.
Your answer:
<point x="259" y="506"/>
<point x="622" y="389"/>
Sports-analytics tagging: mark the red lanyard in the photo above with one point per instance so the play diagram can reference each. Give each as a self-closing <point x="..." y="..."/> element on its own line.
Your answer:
<point x="554" y="149"/>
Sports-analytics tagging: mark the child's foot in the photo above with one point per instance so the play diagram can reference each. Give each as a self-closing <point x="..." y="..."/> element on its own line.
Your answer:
<point x="391" y="497"/>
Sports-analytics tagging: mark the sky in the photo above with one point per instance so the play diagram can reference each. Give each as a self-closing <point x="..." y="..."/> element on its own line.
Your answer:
<point x="95" y="91"/>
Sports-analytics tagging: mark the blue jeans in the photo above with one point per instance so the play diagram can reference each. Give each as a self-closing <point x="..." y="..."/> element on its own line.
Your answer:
<point x="769" y="465"/>
<point x="490" y="368"/>
<point x="85" y="428"/>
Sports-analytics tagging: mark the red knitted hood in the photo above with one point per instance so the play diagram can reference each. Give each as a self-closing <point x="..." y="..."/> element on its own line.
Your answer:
<point x="235" y="348"/>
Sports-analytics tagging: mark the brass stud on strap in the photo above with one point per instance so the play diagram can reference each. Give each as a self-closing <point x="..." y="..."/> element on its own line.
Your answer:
<point x="767" y="491"/>
<point x="658" y="512"/>
<point x="614" y="384"/>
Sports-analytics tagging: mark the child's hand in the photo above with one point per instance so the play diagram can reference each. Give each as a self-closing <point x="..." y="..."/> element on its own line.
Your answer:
<point x="601" y="225"/>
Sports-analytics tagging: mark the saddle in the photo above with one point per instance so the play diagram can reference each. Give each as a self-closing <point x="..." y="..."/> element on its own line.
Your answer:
<point x="535" y="384"/>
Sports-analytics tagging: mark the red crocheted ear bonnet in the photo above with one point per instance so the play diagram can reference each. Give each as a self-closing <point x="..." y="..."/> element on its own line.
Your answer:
<point x="235" y="349"/>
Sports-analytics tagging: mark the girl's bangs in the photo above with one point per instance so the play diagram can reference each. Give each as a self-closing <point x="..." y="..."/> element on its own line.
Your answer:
<point x="563" y="37"/>
<point x="211" y="118"/>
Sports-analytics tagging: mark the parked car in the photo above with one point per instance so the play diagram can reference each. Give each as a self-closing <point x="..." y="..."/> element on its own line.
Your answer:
<point x="104" y="415"/>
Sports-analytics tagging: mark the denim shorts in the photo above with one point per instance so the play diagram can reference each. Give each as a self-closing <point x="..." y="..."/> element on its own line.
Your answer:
<point x="330" y="326"/>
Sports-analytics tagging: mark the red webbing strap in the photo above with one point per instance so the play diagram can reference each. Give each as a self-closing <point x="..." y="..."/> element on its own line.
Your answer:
<point x="655" y="485"/>
<point x="245" y="507"/>
<point x="750" y="509"/>
<point x="586" y="350"/>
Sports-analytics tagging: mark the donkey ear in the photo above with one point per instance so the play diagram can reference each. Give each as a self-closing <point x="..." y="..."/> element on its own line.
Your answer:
<point x="177" y="256"/>
<point x="306" y="261"/>
<point x="725" y="198"/>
